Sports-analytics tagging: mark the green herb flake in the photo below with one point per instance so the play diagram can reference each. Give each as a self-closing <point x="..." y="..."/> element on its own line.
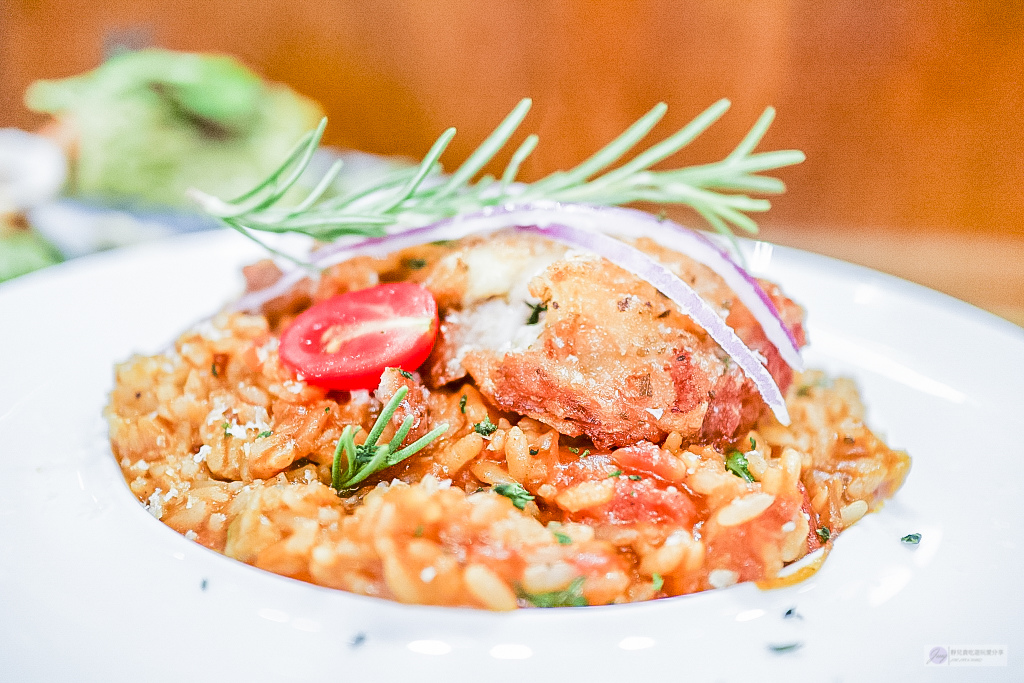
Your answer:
<point x="462" y="404"/>
<point x="534" y="451"/>
<point x="571" y="596"/>
<point x="485" y="427"/>
<point x="415" y="263"/>
<point x="574" y="450"/>
<point x="911" y="539"/>
<point x="535" y="311"/>
<point x="584" y="454"/>
<point x="562" y="537"/>
<point x="213" y="369"/>
<point x="405" y="373"/>
<point x="616" y="473"/>
<point x="263" y="435"/>
<point x="785" y="647"/>
<point x="226" y="426"/>
<point x="657" y="582"/>
<point x="635" y="477"/>
<point x="514" y="492"/>
<point x="366" y="459"/>
<point x="753" y="444"/>
<point x="823" y="534"/>
<point x="418" y="532"/>
<point x="737" y="464"/>
<point x="327" y="409"/>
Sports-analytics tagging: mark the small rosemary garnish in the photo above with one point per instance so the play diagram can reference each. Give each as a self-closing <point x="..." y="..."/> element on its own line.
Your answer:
<point x="368" y="458"/>
<point x="416" y="196"/>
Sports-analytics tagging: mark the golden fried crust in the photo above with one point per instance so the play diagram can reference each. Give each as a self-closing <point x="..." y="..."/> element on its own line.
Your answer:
<point x="613" y="359"/>
<point x="614" y="362"/>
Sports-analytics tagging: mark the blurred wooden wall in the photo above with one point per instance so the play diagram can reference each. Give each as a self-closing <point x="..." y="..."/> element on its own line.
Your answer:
<point x="911" y="113"/>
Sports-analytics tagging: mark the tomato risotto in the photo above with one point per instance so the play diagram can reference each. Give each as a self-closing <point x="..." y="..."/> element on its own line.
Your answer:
<point x="535" y="426"/>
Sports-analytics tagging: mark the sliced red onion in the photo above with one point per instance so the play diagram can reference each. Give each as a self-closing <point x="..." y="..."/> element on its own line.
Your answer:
<point x="689" y="302"/>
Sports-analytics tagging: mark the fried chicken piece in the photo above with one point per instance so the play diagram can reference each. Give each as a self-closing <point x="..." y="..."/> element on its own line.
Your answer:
<point x="610" y="358"/>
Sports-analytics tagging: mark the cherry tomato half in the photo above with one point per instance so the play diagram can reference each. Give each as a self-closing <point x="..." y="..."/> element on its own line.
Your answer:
<point x="346" y="341"/>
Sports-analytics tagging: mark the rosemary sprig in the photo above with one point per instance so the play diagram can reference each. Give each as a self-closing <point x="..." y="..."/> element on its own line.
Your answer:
<point x="368" y="458"/>
<point x="413" y="197"/>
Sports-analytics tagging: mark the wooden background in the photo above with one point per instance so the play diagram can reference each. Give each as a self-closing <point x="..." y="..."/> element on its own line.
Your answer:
<point x="911" y="113"/>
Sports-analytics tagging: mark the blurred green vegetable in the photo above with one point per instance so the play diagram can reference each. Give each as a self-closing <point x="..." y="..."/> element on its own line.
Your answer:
<point x="151" y="124"/>
<point x="22" y="250"/>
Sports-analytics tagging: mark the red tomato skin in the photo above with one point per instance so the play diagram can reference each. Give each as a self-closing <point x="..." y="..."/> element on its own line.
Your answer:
<point x="390" y="325"/>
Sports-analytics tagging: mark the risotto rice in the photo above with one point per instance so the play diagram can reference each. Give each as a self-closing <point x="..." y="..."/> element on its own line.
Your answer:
<point x="228" y="446"/>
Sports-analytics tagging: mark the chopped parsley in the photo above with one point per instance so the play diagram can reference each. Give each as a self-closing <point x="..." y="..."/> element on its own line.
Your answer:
<point x="574" y="450"/>
<point x="418" y="531"/>
<point x="571" y="596"/>
<point x="562" y="537"/>
<point x="514" y="492"/>
<point x="327" y="409"/>
<point x="911" y="539"/>
<point x="657" y="581"/>
<point x="616" y="473"/>
<point x="635" y="477"/>
<point x="462" y="404"/>
<point x="213" y="369"/>
<point x="584" y="453"/>
<point x="405" y="373"/>
<point x="534" y="451"/>
<point x="753" y="444"/>
<point x="263" y="435"/>
<point x="535" y="311"/>
<point x="415" y="263"/>
<point x="226" y="427"/>
<point x="737" y="464"/>
<point x="823" y="534"/>
<point x="485" y="427"/>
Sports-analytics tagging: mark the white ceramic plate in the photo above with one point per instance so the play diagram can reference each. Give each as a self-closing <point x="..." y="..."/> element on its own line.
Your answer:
<point x="92" y="588"/>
